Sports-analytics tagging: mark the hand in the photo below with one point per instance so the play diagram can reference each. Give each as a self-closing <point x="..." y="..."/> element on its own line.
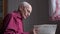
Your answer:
<point x="35" y="31"/>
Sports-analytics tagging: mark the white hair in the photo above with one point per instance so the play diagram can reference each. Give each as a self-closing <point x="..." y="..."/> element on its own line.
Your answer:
<point x="25" y="4"/>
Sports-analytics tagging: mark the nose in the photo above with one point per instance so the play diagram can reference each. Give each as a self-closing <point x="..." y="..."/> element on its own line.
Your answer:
<point x="29" y="14"/>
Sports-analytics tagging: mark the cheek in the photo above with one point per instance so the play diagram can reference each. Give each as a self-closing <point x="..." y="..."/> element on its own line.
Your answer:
<point x="25" y="13"/>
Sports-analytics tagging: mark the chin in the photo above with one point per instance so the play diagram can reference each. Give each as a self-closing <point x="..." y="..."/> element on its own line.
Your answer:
<point x="25" y="18"/>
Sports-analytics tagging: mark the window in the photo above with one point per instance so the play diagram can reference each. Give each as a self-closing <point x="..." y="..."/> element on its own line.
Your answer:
<point x="54" y="10"/>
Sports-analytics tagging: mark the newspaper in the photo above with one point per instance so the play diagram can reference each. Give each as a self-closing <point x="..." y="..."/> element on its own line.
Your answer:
<point x="46" y="29"/>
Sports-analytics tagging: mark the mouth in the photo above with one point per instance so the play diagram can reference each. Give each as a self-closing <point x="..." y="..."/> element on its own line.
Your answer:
<point x="26" y="16"/>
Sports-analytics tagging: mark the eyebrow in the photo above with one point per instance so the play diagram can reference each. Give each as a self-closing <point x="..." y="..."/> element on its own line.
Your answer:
<point x="28" y="11"/>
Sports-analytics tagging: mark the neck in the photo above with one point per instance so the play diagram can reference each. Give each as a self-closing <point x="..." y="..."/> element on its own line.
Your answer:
<point x="20" y="12"/>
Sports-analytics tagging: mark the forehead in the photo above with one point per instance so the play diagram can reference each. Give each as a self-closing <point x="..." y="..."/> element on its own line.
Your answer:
<point x="29" y="8"/>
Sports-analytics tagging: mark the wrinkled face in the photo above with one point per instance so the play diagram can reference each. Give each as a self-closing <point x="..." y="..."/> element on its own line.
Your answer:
<point x="26" y="11"/>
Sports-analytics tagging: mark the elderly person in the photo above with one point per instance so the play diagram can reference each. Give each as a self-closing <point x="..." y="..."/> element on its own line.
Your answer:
<point x="12" y="23"/>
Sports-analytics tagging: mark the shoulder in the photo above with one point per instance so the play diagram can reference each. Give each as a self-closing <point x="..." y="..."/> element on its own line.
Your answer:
<point x="12" y="13"/>
<point x="16" y="14"/>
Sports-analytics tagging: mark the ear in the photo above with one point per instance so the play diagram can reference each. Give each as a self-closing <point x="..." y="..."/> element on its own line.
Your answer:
<point x="21" y="8"/>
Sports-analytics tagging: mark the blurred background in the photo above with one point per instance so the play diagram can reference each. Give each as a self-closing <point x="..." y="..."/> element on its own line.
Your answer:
<point x="39" y="15"/>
